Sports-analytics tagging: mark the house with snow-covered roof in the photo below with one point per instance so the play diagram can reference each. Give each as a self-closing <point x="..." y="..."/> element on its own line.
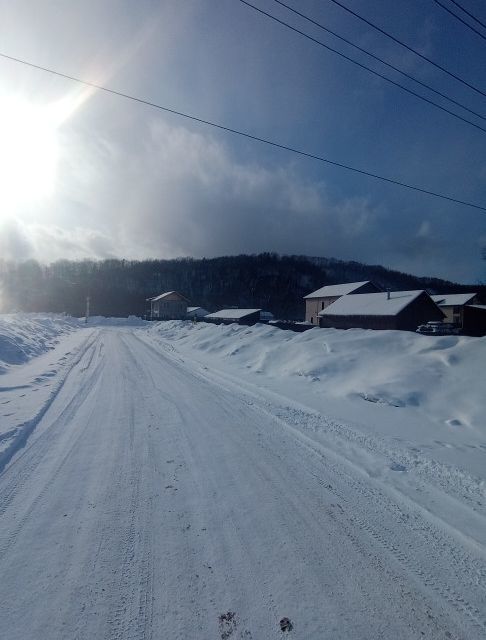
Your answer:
<point x="404" y="310"/>
<point x="170" y="305"/>
<point x="318" y="300"/>
<point x="452" y="304"/>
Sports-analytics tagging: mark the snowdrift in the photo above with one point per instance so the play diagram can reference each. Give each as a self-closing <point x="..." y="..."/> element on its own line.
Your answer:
<point x="443" y="376"/>
<point x="24" y="336"/>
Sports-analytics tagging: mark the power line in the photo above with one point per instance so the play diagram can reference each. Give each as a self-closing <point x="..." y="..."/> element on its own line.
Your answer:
<point x="409" y="48"/>
<point x="363" y="66"/>
<point x="469" y="13"/>
<point x="244" y="134"/>
<point x="481" y="35"/>
<point x="375" y="57"/>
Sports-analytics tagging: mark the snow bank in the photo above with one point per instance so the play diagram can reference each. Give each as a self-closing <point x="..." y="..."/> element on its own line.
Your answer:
<point x="131" y="321"/>
<point x="24" y="336"/>
<point x="442" y="376"/>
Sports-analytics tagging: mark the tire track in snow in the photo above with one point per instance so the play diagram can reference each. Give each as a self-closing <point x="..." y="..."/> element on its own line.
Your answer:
<point x="7" y="497"/>
<point x="133" y="614"/>
<point x="466" y="569"/>
<point x="26" y="462"/>
<point x="26" y="429"/>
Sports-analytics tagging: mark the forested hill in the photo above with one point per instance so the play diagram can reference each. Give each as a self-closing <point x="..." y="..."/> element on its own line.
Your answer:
<point x="120" y="287"/>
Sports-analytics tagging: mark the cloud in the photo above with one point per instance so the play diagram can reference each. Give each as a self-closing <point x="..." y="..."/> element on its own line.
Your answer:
<point x="171" y="191"/>
<point x="180" y="192"/>
<point x="22" y="241"/>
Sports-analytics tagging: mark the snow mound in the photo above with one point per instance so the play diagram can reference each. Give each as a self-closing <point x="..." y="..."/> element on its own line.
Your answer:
<point x="131" y="321"/>
<point x="24" y="336"/>
<point x="443" y="375"/>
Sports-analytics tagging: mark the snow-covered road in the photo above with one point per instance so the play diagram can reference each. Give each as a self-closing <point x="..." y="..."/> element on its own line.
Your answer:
<point x="154" y="501"/>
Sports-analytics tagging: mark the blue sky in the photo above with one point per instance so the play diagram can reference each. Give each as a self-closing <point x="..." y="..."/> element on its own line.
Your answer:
<point x="134" y="182"/>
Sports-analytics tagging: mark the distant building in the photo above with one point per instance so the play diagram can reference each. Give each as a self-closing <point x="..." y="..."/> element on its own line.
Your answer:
<point x="229" y="316"/>
<point x="404" y="310"/>
<point x="196" y="312"/>
<point x="170" y="305"/>
<point x="453" y="304"/>
<point x="317" y="301"/>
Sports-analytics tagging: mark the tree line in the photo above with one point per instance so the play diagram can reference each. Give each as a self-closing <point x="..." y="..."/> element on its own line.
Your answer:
<point x="120" y="287"/>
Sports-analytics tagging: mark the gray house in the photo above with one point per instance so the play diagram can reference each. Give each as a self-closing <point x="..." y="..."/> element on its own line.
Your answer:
<point x="318" y="300"/>
<point x="404" y="310"/>
<point x="170" y="305"/>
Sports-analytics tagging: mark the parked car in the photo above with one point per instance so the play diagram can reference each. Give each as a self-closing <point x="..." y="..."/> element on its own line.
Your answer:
<point x="437" y="328"/>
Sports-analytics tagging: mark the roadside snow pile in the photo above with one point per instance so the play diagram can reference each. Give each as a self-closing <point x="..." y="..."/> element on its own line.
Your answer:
<point x="131" y="321"/>
<point x="442" y="375"/>
<point x="24" y="336"/>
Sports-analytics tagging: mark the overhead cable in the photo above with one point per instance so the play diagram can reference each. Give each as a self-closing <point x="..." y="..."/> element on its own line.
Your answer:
<point x="453" y="13"/>
<point x="469" y="14"/>
<point x="363" y="66"/>
<point x="375" y="57"/>
<point x="409" y="48"/>
<point x="247" y="135"/>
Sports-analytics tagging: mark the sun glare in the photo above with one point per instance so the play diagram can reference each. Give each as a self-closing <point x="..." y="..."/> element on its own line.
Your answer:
<point x="29" y="153"/>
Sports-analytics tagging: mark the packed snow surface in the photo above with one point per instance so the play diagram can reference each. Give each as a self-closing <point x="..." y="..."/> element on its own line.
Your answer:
<point x="199" y="481"/>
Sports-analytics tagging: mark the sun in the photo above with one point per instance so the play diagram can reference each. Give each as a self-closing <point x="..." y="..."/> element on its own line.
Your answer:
<point x="29" y="152"/>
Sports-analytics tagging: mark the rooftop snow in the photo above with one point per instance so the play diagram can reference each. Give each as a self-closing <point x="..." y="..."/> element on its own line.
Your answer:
<point x="452" y="299"/>
<point x="371" y="304"/>
<point x="336" y="290"/>
<point x="232" y="314"/>
<point x="165" y="295"/>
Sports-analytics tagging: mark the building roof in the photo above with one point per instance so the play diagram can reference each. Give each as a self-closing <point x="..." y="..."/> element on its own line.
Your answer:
<point x="452" y="299"/>
<point x="335" y="290"/>
<point x="232" y="314"/>
<point x="371" y="304"/>
<point x="165" y="295"/>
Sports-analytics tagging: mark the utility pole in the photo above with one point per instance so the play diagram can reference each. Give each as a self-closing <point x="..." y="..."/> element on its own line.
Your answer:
<point x="87" y="310"/>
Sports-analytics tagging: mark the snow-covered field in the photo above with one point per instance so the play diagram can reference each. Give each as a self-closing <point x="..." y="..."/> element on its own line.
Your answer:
<point x="199" y="481"/>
